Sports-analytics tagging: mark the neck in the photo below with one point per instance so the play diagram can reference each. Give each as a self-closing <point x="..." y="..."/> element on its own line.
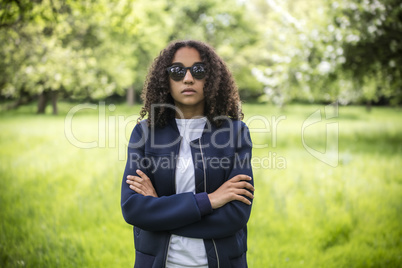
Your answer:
<point x="186" y="112"/>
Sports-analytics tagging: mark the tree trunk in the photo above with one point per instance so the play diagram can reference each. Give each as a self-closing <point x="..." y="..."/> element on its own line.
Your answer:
<point x="54" y="95"/>
<point x="42" y="102"/>
<point x="17" y="104"/>
<point x="335" y="106"/>
<point x="368" y="106"/>
<point x="24" y="98"/>
<point x="130" y="96"/>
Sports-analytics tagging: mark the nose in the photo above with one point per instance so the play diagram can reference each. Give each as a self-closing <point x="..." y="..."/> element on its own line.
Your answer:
<point x="188" y="78"/>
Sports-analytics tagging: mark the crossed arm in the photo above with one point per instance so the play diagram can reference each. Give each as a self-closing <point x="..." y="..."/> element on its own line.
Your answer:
<point x="214" y="215"/>
<point x="235" y="189"/>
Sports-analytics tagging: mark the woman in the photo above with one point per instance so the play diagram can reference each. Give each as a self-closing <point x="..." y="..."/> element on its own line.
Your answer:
<point x="187" y="186"/>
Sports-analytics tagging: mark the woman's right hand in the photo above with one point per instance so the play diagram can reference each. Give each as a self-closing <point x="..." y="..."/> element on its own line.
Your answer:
<point x="237" y="188"/>
<point x="141" y="184"/>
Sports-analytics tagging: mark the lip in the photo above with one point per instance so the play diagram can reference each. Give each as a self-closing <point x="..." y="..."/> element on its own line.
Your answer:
<point x="188" y="91"/>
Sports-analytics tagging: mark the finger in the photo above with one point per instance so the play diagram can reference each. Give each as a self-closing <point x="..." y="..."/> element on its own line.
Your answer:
<point x="143" y="191"/>
<point x="134" y="178"/>
<point x="141" y="174"/>
<point x="243" y="185"/>
<point x="135" y="185"/>
<point x="243" y="199"/>
<point x="145" y="179"/>
<point x="131" y="182"/>
<point x="132" y="187"/>
<point x="137" y="190"/>
<point x="139" y="185"/>
<point x="246" y="201"/>
<point x="240" y="177"/>
<point x="138" y="179"/>
<point x="248" y="186"/>
<point x="246" y="193"/>
<point x="143" y="188"/>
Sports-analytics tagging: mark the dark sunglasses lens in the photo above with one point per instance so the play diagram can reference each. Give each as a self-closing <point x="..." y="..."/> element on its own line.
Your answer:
<point x="198" y="71"/>
<point x="177" y="73"/>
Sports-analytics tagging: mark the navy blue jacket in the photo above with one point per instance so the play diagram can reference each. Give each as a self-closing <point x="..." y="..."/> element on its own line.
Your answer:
<point x="219" y="155"/>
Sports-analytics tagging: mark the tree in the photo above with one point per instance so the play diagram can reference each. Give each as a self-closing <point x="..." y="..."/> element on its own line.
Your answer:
<point x="82" y="49"/>
<point x="346" y="51"/>
<point x="372" y="46"/>
<point x="93" y="49"/>
<point x="229" y="27"/>
<point x="41" y="58"/>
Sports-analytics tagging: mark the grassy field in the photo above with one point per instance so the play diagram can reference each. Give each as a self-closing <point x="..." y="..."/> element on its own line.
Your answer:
<point x="60" y="203"/>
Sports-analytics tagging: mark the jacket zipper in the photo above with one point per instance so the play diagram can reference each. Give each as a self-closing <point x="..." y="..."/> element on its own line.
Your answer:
<point x="216" y="252"/>
<point x="167" y="251"/>
<point x="203" y="166"/>
<point x="175" y="163"/>
<point x="205" y="189"/>
<point x="174" y="178"/>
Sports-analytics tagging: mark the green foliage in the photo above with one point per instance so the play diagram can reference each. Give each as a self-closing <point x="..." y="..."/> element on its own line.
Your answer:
<point x="40" y="54"/>
<point x="278" y="51"/>
<point x="372" y="46"/>
<point x="93" y="49"/>
<point x="331" y="50"/>
<point x="60" y="205"/>
<point x="228" y="27"/>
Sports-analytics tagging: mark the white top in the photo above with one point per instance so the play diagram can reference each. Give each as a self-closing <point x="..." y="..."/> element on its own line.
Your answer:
<point x="185" y="251"/>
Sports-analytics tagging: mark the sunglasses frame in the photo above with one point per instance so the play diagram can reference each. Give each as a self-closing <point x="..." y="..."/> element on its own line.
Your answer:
<point x="168" y="69"/>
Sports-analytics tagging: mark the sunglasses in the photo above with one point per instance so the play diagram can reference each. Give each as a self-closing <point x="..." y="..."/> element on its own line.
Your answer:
<point x="177" y="72"/>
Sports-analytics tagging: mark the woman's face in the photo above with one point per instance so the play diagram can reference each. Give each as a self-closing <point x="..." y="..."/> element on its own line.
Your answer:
<point x="188" y="93"/>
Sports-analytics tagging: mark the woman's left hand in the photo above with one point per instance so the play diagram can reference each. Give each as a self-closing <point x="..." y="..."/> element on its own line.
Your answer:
<point x="141" y="184"/>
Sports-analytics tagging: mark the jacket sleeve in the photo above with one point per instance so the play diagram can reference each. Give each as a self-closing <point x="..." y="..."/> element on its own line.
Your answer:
<point x="157" y="213"/>
<point x="230" y="218"/>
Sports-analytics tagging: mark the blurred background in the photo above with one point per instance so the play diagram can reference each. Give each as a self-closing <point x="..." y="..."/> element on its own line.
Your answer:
<point x="61" y="163"/>
<point x="278" y="51"/>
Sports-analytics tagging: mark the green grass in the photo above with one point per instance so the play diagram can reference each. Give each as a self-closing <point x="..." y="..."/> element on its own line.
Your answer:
<point x="60" y="204"/>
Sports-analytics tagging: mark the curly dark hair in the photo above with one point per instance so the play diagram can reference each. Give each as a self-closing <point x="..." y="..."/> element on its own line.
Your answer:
<point x="220" y="91"/>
